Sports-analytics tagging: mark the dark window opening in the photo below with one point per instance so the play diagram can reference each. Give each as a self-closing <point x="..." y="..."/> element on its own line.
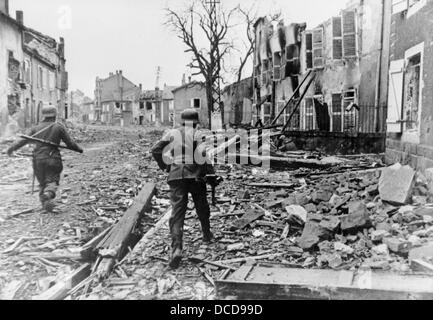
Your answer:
<point x="148" y="106"/>
<point x="196" y="103"/>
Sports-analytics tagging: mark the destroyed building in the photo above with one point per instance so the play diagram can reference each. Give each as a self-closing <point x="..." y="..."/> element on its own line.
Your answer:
<point x="340" y="68"/>
<point x="156" y="107"/>
<point x="191" y="95"/>
<point x="237" y="99"/>
<point x="34" y="74"/>
<point x="115" y="99"/>
<point x="409" y="124"/>
<point x="80" y="107"/>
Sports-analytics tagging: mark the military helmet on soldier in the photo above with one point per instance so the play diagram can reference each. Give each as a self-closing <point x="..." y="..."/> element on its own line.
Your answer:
<point x="49" y="111"/>
<point x="190" y="115"/>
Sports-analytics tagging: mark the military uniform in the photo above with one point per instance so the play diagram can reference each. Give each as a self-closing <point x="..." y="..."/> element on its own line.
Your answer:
<point x="47" y="160"/>
<point x="177" y="153"/>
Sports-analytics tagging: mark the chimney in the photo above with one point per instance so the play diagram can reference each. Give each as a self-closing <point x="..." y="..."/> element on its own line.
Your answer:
<point x="189" y="79"/>
<point x="111" y="74"/>
<point x="141" y="87"/>
<point x="183" y="80"/>
<point x="120" y="72"/>
<point x="20" y="17"/>
<point x="4" y="6"/>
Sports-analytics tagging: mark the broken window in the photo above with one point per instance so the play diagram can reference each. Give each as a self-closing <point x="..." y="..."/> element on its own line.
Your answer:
<point x="351" y="111"/>
<point x="336" y="112"/>
<point x="337" y="41"/>
<point x="349" y="34"/>
<point x="13" y="67"/>
<point x="141" y="105"/>
<point x="293" y="63"/>
<point x="411" y="92"/>
<point x="318" y="60"/>
<point x="148" y="105"/>
<point x="266" y="113"/>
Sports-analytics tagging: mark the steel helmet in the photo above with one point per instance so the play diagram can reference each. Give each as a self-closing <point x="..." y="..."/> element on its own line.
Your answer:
<point x="49" y="111"/>
<point x="190" y="115"/>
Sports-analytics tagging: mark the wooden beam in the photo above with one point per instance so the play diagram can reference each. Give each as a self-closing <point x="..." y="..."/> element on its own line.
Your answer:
<point x="61" y="289"/>
<point x="116" y="241"/>
<point x="264" y="283"/>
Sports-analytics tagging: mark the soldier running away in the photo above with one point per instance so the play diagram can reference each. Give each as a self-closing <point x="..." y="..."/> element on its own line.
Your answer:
<point x="47" y="160"/>
<point x="186" y="176"/>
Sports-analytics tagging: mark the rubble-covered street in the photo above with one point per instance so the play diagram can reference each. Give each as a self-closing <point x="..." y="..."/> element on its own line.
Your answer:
<point x="329" y="218"/>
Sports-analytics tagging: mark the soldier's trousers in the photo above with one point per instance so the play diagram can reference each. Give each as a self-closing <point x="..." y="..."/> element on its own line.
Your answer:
<point x="179" y="191"/>
<point x="47" y="172"/>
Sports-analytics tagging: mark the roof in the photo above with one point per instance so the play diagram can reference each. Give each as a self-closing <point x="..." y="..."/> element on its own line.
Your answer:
<point x="189" y="85"/>
<point x="167" y="94"/>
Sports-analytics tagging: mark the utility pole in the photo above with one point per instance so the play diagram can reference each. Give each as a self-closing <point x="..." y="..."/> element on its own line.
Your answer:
<point x="216" y="112"/>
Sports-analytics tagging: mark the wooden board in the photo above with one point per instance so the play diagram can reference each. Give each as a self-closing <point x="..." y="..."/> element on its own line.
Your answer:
<point x="61" y="289"/>
<point x="264" y="283"/>
<point x="246" y="219"/>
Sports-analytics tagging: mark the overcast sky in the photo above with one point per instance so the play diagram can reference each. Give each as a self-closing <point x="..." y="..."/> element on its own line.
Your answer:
<point x="106" y="35"/>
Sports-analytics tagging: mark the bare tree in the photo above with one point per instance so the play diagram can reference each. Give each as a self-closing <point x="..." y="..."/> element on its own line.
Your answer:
<point x="200" y="21"/>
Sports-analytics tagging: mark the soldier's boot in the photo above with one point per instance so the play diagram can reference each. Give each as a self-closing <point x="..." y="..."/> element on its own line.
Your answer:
<point x="47" y="201"/>
<point x="207" y="236"/>
<point x="176" y="258"/>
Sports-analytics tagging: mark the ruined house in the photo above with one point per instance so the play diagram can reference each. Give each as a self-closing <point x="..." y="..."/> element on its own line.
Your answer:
<point x="409" y="123"/>
<point x="80" y="107"/>
<point x="115" y="99"/>
<point x="191" y="95"/>
<point x="345" y="57"/>
<point x="237" y="99"/>
<point x="11" y="56"/>
<point x="44" y="74"/>
<point x="156" y="107"/>
<point x="34" y="74"/>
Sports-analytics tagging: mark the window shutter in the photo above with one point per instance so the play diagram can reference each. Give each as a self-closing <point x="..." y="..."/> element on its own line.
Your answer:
<point x="337" y="42"/>
<point x="318" y="61"/>
<point x="399" y="6"/>
<point x="336" y="112"/>
<point x="309" y="50"/>
<point x="349" y="34"/>
<point x="395" y="96"/>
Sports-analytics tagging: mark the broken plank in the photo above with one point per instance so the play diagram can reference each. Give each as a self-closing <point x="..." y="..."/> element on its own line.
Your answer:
<point x="272" y="185"/>
<point x="247" y="219"/>
<point x="17" y="214"/>
<point x="88" y="248"/>
<point x="245" y="259"/>
<point x="299" y="284"/>
<point x="216" y="264"/>
<point x="60" y="290"/>
<point x="117" y="239"/>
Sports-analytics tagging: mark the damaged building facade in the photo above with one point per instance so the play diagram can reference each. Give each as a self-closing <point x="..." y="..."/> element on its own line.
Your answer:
<point x="237" y="99"/>
<point x="410" y="115"/>
<point x="33" y="74"/>
<point x="115" y="99"/>
<point x="191" y="95"/>
<point x="156" y="107"/>
<point x="343" y="60"/>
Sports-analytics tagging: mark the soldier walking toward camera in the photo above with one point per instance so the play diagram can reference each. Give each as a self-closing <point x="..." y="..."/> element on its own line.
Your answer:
<point x="47" y="160"/>
<point x="186" y="176"/>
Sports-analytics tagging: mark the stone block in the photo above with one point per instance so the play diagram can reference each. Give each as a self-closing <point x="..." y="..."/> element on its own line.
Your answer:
<point x="396" y="184"/>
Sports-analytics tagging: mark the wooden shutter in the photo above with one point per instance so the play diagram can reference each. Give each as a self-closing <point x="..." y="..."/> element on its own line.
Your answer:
<point x="399" y="6"/>
<point x="349" y="34"/>
<point x="337" y="41"/>
<point x="309" y="50"/>
<point x="395" y="96"/>
<point x="336" y="112"/>
<point x="318" y="61"/>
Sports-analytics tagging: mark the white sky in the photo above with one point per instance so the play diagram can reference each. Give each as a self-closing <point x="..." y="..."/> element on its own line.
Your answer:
<point x="106" y="35"/>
